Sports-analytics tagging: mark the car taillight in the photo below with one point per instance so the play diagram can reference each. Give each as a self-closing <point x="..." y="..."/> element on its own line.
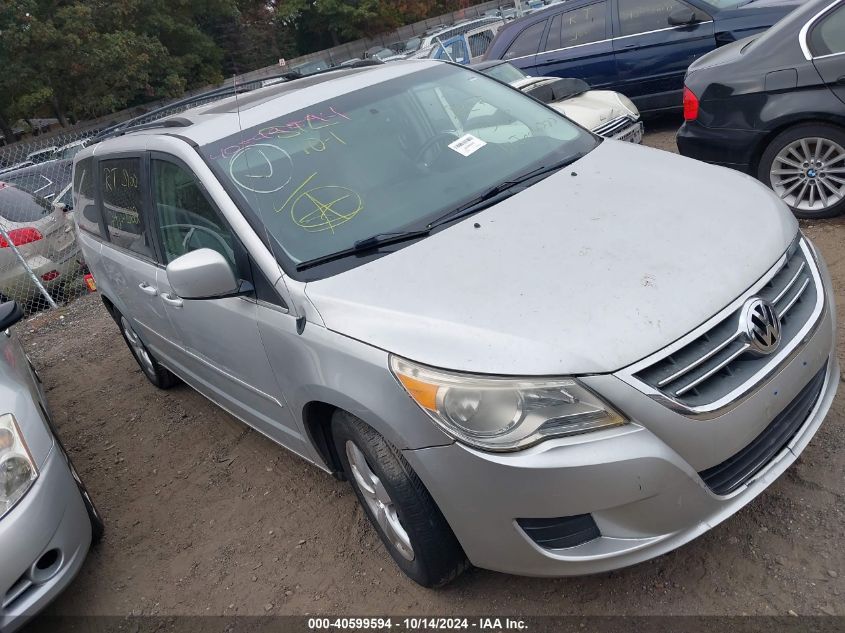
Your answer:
<point x="19" y="237"/>
<point x="690" y="105"/>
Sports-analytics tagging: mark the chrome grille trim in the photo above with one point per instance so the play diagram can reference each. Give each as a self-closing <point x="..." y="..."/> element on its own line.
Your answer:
<point x="791" y="283"/>
<point x="696" y="363"/>
<point x="712" y="371"/>
<point x="786" y="352"/>
<point x="794" y="299"/>
<point x="614" y="125"/>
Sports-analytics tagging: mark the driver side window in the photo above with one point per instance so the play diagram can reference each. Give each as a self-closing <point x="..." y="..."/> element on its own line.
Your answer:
<point x="186" y="219"/>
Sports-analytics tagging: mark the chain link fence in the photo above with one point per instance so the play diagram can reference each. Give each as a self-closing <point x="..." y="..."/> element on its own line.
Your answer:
<point x="41" y="265"/>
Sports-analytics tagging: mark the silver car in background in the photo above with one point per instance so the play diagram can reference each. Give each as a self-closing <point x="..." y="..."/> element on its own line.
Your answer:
<point x="47" y="519"/>
<point x="519" y="353"/>
<point x="34" y="231"/>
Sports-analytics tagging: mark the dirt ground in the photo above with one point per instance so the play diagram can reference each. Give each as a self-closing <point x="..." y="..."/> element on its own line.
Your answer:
<point x="205" y="516"/>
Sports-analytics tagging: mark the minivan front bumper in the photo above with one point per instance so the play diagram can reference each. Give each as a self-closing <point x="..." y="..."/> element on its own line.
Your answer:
<point x="639" y="484"/>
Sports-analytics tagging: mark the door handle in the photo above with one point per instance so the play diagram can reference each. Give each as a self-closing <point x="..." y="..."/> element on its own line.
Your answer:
<point x="172" y="300"/>
<point x="841" y="80"/>
<point x="147" y="289"/>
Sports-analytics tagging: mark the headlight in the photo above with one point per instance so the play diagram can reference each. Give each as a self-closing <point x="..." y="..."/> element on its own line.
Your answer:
<point x="504" y="414"/>
<point x="628" y="104"/>
<point x="17" y="470"/>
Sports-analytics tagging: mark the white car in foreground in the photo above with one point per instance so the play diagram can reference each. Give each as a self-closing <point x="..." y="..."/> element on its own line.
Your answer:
<point x="604" y="112"/>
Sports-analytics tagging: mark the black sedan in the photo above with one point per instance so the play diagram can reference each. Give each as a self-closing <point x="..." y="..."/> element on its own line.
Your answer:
<point x="774" y="107"/>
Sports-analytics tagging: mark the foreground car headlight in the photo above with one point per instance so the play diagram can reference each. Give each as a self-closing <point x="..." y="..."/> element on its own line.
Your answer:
<point x="504" y="414"/>
<point x="17" y="470"/>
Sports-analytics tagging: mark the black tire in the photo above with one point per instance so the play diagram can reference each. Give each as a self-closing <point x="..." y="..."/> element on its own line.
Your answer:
<point x="830" y="133"/>
<point x="98" y="527"/>
<point x="155" y="372"/>
<point x="437" y="556"/>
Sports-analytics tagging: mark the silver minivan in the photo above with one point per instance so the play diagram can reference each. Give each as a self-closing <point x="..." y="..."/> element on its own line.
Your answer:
<point x="521" y="352"/>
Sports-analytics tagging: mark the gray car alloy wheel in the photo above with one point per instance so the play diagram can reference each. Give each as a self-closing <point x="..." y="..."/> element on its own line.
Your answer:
<point x="809" y="174"/>
<point x="138" y="348"/>
<point x="379" y="501"/>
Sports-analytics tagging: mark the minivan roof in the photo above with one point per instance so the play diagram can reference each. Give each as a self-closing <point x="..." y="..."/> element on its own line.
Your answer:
<point x="212" y="121"/>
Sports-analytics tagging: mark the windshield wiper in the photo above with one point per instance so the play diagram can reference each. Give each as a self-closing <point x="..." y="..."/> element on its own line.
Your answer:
<point x="495" y="194"/>
<point x="367" y="244"/>
<point x="488" y="198"/>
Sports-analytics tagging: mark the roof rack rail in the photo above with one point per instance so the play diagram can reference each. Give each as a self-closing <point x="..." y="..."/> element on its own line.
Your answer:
<point x="149" y="119"/>
<point x="153" y="118"/>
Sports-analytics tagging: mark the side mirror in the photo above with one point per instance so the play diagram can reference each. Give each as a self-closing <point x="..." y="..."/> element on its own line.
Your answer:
<point x="10" y="313"/>
<point x="682" y="17"/>
<point x="61" y="206"/>
<point x="202" y="274"/>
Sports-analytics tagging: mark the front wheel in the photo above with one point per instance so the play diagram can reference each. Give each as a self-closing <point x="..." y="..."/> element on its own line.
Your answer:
<point x="805" y="166"/>
<point x="155" y="372"/>
<point x="402" y="511"/>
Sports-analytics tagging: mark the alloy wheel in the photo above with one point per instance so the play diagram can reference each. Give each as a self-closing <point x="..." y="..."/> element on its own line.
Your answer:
<point x="379" y="501"/>
<point x="809" y="174"/>
<point x="137" y="346"/>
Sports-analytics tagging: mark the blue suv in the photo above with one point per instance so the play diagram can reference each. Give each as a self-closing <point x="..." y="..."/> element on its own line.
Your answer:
<point x="641" y="48"/>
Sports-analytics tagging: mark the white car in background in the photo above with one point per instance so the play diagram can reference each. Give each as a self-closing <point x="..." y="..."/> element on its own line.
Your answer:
<point x="604" y="112"/>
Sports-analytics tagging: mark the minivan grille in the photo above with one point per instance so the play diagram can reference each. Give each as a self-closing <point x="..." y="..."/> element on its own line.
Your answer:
<point x="732" y="473"/>
<point x="720" y="360"/>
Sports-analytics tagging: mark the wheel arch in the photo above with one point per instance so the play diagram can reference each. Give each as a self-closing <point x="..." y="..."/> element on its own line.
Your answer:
<point x="783" y="125"/>
<point x="317" y="420"/>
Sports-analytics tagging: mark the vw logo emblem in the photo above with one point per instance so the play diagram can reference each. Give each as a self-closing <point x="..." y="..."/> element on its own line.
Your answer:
<point x="761" y="324"/>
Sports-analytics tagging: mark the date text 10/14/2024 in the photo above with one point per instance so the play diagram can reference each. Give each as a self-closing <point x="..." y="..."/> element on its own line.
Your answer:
<point x="418" y="623"/>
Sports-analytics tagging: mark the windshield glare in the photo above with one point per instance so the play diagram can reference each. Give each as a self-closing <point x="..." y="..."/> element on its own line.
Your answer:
<point x="505" y="72"/>
<point x="391" y="157"/>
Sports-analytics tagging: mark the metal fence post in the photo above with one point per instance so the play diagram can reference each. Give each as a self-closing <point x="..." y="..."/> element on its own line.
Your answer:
<point x="28" y="270"/>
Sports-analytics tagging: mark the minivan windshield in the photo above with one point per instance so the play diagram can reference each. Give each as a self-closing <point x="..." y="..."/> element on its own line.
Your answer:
<point x="388" y="158"/>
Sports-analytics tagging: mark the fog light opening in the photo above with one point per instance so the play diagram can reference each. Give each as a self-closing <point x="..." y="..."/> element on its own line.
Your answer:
<point x="46" y="566"/>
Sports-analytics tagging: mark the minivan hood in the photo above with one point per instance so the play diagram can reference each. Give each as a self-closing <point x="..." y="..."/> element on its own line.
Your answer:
<point x="588" y="271"/>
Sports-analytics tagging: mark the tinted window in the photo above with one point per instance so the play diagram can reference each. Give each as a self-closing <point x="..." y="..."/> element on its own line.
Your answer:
<point x="186" y="219"/>
<point x="527" y="42"/>
<point x="120" y="187"/>
<point x="829" y="36"/>
<point x="639" y="16"/>
<point x="84" y="208"/>
<point x="19" y="206"/>
<point x="580" y="26"/>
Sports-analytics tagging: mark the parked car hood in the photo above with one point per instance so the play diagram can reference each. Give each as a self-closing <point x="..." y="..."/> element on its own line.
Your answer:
<point x="592" y="108"/>
<point x="583" y="273"/>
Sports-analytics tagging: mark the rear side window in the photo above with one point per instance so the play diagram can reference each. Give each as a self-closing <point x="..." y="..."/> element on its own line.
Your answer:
<point x="579" y="26"/>
<point x="640" y="16"/>
<point x="527" y="42"/>
<point x="19" y="206"/>
<point x="84" y="207"/>
<point x="122" y="204"/>
<point x="828" y="37"/>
